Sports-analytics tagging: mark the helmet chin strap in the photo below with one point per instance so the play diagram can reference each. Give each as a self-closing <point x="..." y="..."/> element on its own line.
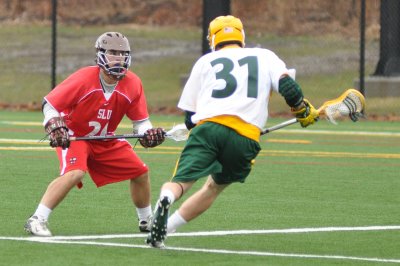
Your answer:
<point x="114" y="70"/>
<point x="213" y="43"/>
<point x="109" y="78"/>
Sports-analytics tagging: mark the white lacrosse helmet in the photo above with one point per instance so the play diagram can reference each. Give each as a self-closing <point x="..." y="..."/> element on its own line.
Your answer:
<point x="113" y="53"/>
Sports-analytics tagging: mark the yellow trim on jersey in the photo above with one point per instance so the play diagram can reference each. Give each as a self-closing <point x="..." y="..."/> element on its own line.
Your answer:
<point x="175" y="169"/>
<point x="241" y="127"/>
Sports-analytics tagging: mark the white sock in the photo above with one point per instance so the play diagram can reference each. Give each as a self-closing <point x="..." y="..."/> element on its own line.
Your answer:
<point x="42" y="212"/>
<point x="144" y="213"/>
<point x="167" y="193"/>
<point x="174" y="222"/>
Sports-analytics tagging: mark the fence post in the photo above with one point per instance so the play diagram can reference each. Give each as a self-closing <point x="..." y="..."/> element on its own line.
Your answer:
<point x="385" y="82"/>
<point x="53" y="43"/>
<point x="211" y="10"/>
<point x="389" y="56"/>
<point x="362" y="47"/>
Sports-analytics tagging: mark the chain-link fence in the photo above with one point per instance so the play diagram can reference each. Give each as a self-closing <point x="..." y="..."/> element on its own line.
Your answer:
<point x="320" y="38"/>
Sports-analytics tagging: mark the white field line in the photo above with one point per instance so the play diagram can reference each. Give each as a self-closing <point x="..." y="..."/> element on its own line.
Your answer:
<point x="25" y="141"/>
<point x="225" y="233"/>
<point x="78" y="240"/>
<point x="177" y="150"/>
<point x="332" y="132"/>
<point x="305" y="131"/>
<point x="223" y="251"/>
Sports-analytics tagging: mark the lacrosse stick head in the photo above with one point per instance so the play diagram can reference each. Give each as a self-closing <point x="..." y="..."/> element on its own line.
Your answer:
<point x="178" y="132"/>
<point x="351" y="103"/>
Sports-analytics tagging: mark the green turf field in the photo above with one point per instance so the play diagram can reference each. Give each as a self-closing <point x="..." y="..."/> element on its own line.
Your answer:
<point x="325" y="195"/>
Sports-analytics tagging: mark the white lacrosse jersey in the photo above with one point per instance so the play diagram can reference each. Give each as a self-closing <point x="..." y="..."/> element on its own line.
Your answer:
<point x="234" y="82"/>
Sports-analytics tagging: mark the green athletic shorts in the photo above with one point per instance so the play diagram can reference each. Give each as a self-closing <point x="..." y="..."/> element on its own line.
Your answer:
<point x="217" y="150"/>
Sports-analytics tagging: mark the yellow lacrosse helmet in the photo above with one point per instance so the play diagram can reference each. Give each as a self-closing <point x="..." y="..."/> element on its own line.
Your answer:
<point x="225" y="29"/>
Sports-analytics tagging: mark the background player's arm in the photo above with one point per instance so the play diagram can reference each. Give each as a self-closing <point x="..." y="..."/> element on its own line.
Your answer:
<point x="55" y="126"/>
<point x="152" y="136"/>
<point x="48" y="112"/>
<point x="139" y="127"/>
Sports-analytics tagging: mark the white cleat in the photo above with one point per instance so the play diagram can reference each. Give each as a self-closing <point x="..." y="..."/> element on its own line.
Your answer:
<point x="145" y="225"/>
<point x="37" y="227"/>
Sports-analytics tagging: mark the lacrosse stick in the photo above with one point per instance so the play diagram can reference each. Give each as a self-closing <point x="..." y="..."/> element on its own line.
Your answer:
<point x="177" y="133"/>
<point x="351" y="103"/>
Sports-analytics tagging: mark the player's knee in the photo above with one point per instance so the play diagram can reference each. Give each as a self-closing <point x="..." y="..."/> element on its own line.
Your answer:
<point x="75" y="175"/>
<point x="212" y="188"/>
<point x="141" y="179"/>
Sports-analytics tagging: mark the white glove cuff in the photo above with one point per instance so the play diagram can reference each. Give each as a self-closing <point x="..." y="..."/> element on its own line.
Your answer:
<point x="140" y="127"/>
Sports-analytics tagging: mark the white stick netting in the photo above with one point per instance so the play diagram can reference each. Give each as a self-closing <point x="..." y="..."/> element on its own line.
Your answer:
<point x="178" y="133"/>
<point x="350" y="104"/>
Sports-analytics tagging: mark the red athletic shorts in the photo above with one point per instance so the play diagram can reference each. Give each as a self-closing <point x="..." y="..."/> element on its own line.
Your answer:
<point x="106" y="161"/>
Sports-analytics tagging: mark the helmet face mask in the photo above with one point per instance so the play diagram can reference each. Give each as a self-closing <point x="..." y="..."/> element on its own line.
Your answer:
<point x="225" y="29"/>
<point x="113" y="54"/>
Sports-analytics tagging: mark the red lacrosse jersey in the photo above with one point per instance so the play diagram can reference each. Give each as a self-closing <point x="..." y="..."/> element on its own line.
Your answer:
<point x="87" y="112"/>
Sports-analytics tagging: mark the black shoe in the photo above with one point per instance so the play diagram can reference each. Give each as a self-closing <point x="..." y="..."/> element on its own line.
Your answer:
<point x="158" y="230"/>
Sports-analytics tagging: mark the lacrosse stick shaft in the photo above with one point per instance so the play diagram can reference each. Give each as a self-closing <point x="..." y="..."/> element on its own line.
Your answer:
<point x="177" y="133"/>
<point x="124" y="136"/>
<point x="284" y="124"/>
<point x="279" y="126"/>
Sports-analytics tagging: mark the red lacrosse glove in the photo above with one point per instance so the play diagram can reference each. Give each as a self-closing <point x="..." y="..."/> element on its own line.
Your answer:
<point x="57" y="131"/>
<point x="152" y="137"/>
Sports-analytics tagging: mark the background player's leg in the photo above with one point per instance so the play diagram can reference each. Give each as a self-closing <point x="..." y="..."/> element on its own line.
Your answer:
<point x="140" y="195"/>
<point x="140" y="190"/>
<point x="57" y="190"/>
